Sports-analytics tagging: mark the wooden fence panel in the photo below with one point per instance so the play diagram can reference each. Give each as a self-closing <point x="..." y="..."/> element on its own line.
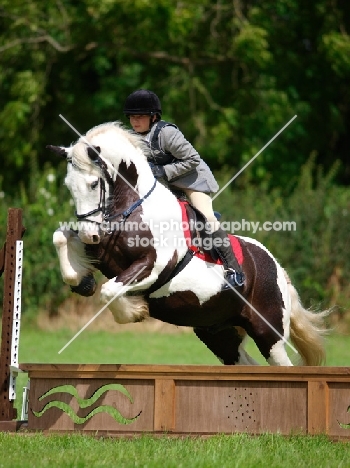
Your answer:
<point x="194" y="400"/>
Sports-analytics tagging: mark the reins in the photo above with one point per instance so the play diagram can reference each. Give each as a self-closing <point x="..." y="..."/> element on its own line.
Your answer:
<point x="126" y="213"/>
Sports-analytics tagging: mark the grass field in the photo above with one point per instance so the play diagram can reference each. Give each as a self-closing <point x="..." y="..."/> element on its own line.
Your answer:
<point x="236" y="450"/>
<point x="143" y="348"/>
<point x="221" y="451"/>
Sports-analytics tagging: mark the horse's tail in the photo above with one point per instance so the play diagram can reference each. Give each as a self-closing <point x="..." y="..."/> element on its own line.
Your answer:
<point x="307" y="330"/>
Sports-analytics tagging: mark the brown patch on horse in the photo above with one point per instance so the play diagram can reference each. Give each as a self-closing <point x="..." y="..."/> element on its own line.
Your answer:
<point x="184" y="309"/>
<point x="165" y="274"/>
<point x="263" y="288"/>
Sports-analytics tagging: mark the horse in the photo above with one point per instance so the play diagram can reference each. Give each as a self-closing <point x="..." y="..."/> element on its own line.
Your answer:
<point x="131" y="227"/>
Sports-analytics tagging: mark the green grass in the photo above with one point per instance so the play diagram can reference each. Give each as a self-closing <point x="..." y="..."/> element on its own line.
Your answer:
<point x="142" y="348"/>
<point x="107" y="348"/>
<point x="236" y="450"/>
<point x="221" y="451"/>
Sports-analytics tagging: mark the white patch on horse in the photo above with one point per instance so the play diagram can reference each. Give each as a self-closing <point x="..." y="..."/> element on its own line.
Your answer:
<point x="278" y="355"/>
<point x="198" y="277"/>
<point x="129" y="309"/>
<point x="164" y="221"/>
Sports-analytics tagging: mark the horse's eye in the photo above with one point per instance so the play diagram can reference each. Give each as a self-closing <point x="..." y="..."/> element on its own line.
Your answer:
<point x="94" y="184"/>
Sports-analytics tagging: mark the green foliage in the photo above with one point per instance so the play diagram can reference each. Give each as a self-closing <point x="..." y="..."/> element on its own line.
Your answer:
<point x="251" y="46"/>
<point x="230" y="74"/>
<point x="337" y="50"/>
<point x="42" y="282"/>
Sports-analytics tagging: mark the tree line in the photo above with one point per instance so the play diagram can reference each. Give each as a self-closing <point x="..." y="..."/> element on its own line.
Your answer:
<point x="229" y="73"/>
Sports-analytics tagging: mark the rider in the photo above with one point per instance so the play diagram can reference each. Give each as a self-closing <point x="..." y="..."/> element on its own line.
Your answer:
<point x="175" y="160"/>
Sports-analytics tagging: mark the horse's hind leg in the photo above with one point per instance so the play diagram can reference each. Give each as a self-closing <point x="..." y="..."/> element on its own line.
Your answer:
<point x="271" y="342"/>
<point x="268" y="325"/>
<point x="226" y="345"/>
<point x="267" y="318"/>
<point x="244" y="358"/>
<point x="278" y="355"/>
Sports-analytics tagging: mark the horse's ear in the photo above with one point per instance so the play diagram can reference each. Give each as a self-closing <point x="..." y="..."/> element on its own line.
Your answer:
<point x="94" y="153"/>
<point x="58" y="150"/>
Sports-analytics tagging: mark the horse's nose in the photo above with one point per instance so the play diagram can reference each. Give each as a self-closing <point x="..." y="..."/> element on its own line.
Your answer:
<point x="89" y="238"/>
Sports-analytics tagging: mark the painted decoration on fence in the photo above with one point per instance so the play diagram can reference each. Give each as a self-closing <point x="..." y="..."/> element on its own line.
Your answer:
<point x="86" y="402"/>
<point x="345" y="426"/>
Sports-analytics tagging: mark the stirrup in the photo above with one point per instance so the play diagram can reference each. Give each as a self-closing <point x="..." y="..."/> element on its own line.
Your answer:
<point x="233" y="278"/>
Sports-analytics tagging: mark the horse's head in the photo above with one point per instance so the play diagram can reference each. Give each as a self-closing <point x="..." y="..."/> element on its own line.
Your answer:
<point x="90" y="184"/>
<point x="95" y="162"/>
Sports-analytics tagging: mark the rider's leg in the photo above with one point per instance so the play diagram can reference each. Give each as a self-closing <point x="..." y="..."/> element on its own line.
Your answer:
<point x="233" y="272"/>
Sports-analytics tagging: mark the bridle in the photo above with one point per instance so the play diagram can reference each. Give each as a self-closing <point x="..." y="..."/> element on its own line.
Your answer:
<point x="102" y="206"/>
<point x="93" y="153"/>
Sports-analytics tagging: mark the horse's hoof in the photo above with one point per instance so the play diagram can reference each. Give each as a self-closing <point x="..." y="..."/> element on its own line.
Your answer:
<point x="87" y="286"/>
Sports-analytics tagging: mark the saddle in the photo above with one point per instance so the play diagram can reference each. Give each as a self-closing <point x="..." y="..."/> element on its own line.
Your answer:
<point x="199" y="239"/>
<point x="200" y="235"/>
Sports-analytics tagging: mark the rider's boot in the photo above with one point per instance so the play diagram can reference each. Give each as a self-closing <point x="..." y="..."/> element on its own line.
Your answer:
<point x="234" y="275"/>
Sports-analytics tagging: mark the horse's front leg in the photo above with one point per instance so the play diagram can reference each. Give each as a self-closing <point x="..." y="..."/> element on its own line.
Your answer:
<point x="76" y="270"/>
<point x="138" y="277"/>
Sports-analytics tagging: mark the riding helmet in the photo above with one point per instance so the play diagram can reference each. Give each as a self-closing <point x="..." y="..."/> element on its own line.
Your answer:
<point x="142" y="102"/>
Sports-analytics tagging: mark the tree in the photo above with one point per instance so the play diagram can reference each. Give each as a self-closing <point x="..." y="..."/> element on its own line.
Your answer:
<point x="230" y="74"/>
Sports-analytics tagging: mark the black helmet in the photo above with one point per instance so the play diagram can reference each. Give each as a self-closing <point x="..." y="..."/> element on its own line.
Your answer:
<point x="142" y="102"/>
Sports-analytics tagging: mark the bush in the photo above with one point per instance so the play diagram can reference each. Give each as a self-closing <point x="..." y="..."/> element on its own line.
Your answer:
<point x="42" y="287"/>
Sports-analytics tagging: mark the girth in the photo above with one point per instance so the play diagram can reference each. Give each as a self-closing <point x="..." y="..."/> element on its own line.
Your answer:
<point x="197" y="222"/>
<point x="178" y="268"/>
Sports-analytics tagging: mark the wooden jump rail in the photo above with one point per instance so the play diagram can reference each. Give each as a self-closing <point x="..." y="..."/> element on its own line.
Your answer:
<point x="181" y="400"/>
<point x="126" y="400"/>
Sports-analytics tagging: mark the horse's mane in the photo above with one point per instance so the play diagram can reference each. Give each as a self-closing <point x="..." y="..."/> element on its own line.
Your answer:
<point x="111" y="130"/>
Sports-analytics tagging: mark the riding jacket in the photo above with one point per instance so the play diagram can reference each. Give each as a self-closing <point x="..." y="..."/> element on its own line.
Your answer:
<point x="183" y="166"/>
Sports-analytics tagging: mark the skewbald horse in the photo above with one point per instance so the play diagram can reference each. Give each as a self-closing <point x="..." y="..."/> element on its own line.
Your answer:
<point x="132" y="230"/>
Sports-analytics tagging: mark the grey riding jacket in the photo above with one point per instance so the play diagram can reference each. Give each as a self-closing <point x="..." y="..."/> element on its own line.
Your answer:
<point x="183" y="166"/>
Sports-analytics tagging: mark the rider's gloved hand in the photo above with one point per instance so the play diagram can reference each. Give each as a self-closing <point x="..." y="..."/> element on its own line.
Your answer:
<point x="158" y="171"/>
